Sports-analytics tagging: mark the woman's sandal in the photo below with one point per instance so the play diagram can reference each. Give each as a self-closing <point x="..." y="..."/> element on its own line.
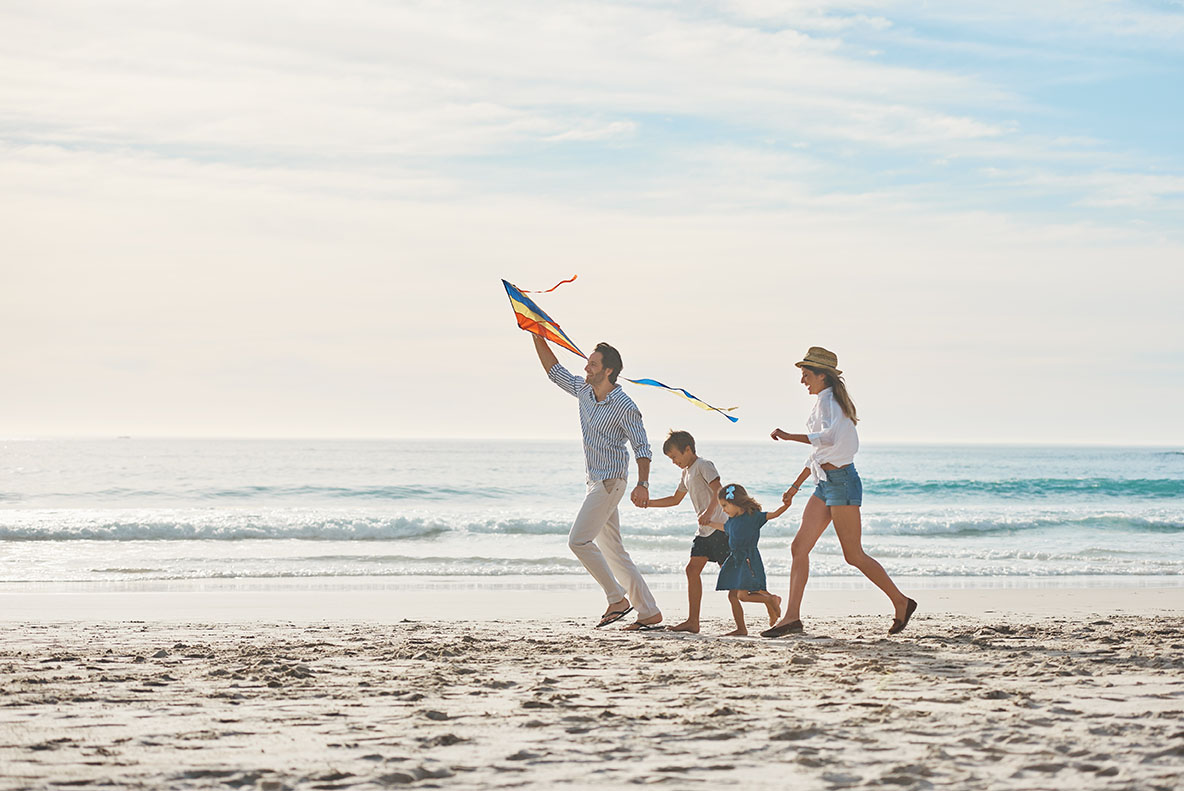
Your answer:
<point x="897" y="624"/>
<point x="783" y="629"/>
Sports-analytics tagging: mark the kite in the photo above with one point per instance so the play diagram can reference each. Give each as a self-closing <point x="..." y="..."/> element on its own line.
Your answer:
<point x="534" y="319"/>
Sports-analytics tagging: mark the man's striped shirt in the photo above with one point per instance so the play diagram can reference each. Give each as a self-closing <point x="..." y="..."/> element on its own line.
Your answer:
<point x="606" y="426"/>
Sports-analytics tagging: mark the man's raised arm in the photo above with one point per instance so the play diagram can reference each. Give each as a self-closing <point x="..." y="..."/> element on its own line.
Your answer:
<point x="555" y="372"/>
<point x="546" y="356"/>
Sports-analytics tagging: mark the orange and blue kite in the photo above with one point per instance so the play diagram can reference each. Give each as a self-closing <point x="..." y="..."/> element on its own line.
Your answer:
<point x="533" y="319"/>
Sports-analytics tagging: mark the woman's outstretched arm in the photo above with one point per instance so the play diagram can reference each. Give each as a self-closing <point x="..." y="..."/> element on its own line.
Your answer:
<point x="785" y="435"/>
<point x="795" y="486"/>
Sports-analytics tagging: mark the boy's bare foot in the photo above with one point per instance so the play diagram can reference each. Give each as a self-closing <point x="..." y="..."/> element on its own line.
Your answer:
<point x="774" y="609"/>
<point x="737" y="633"/>
<point x="686" y="626"/>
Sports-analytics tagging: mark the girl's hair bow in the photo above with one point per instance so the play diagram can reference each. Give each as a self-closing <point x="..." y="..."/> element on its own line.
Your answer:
<point x="730" y="493"/>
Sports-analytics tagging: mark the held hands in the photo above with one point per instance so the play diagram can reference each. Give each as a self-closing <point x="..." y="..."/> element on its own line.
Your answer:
<point x="705" y="521"/>
<point x="640" y="496"/>
<point x="779" y="434"/>
<point x="787" y="498"/>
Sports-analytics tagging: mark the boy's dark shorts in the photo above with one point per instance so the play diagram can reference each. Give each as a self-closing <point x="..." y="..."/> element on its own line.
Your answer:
<point x="713" y="547"/>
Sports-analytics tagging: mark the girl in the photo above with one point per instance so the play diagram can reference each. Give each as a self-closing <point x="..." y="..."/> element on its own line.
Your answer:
<point x="838" y="495"/>
<point x="743" y="573"/>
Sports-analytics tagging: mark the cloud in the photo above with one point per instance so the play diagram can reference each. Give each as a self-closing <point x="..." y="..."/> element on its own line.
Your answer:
<point x="165" y="296"/>
<point x="1102" y="189"/>
<point x="445" y="98"/>
<point x="425" y="79"/>
<point x="616" y="130"/>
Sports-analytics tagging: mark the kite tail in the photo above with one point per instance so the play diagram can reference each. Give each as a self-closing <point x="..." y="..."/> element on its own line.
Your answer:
<point x="552" y="288"/>
<point x="688" y="396"/>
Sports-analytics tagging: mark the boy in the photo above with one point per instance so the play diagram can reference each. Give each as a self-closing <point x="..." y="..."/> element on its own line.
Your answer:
<point x="702" y="481"/>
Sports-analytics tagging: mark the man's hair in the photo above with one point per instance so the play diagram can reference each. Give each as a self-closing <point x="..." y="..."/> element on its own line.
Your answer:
<point x="679" y="439"/>
<point x="611" y="359"/>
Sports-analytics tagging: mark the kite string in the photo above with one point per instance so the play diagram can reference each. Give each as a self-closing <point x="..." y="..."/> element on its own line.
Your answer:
<point x="552" y="288"/>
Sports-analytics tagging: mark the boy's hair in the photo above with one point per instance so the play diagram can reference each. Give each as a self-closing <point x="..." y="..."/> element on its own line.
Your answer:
<point x="679" y="439"/>
<point x="611" y="359"/>
<point x="738" y="496"/>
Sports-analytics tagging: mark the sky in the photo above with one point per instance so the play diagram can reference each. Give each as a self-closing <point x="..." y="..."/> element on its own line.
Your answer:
<point x="290" y="219"/>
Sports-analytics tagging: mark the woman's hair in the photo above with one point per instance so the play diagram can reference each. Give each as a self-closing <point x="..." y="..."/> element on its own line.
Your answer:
<point x="736" y="494"/>
<point x="835" y="382"/>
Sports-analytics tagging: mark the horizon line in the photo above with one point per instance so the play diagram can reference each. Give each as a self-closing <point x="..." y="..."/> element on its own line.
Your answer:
<point x="355" y="438"/>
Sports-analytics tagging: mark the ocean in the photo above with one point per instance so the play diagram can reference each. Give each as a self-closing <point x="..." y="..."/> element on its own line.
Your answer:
<point x="107" y="513"/>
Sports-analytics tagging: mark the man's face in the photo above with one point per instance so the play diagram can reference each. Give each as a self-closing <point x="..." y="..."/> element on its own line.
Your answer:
<point x="594" y="370"/>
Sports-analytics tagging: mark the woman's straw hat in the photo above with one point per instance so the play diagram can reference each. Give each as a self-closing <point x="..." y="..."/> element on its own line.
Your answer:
<point x="819" y="357"/>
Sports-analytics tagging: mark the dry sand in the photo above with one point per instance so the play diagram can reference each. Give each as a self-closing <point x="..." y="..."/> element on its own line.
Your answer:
<point x="1020" y="702"/>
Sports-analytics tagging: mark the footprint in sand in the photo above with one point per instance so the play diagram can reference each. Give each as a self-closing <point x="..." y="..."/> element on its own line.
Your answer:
<point x="795" y="734"/>
<point x="841" y="779"/>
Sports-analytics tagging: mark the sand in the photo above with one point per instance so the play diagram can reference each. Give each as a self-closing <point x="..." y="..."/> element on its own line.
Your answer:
<point x="390" y="600"/>
<point x="1000" y="701"/>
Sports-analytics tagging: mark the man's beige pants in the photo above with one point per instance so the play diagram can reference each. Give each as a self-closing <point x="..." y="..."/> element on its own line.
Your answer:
<point x="595" y="538"/>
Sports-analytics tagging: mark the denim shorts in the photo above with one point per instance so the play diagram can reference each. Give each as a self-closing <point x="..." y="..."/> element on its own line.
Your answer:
<point x="841" y="487"/>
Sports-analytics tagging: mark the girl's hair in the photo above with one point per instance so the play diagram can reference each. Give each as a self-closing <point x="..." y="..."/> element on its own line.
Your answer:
<point x="835" y="382"/>
<point x="736" y="494"/>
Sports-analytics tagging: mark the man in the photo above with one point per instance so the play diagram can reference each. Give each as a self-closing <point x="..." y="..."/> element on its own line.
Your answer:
<point x="608" y="417"/>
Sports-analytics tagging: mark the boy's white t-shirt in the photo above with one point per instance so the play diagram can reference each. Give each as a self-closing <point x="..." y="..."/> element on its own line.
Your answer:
<point x="695" y="480"/>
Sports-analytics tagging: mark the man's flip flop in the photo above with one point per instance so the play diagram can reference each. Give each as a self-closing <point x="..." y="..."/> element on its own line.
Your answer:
<point x="638" y="626"/>
<point x="899" y="625"/>
<point x="613" y="617"/>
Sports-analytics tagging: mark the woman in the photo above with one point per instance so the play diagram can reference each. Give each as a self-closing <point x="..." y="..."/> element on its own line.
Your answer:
<point x="839" y="493"/>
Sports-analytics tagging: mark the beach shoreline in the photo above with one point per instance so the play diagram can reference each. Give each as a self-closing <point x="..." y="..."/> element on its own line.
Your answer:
<point x="391" y="600"/>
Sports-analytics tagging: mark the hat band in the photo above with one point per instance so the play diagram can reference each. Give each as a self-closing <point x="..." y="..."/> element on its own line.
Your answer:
<point x="816" y="364"/>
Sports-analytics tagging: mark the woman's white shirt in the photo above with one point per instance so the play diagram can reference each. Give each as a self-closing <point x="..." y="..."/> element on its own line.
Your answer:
<point x="831" y="433"/>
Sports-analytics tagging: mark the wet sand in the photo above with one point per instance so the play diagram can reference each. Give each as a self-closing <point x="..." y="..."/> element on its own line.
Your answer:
<point x="391" y="600"/>
<point x="957" y="701"/>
